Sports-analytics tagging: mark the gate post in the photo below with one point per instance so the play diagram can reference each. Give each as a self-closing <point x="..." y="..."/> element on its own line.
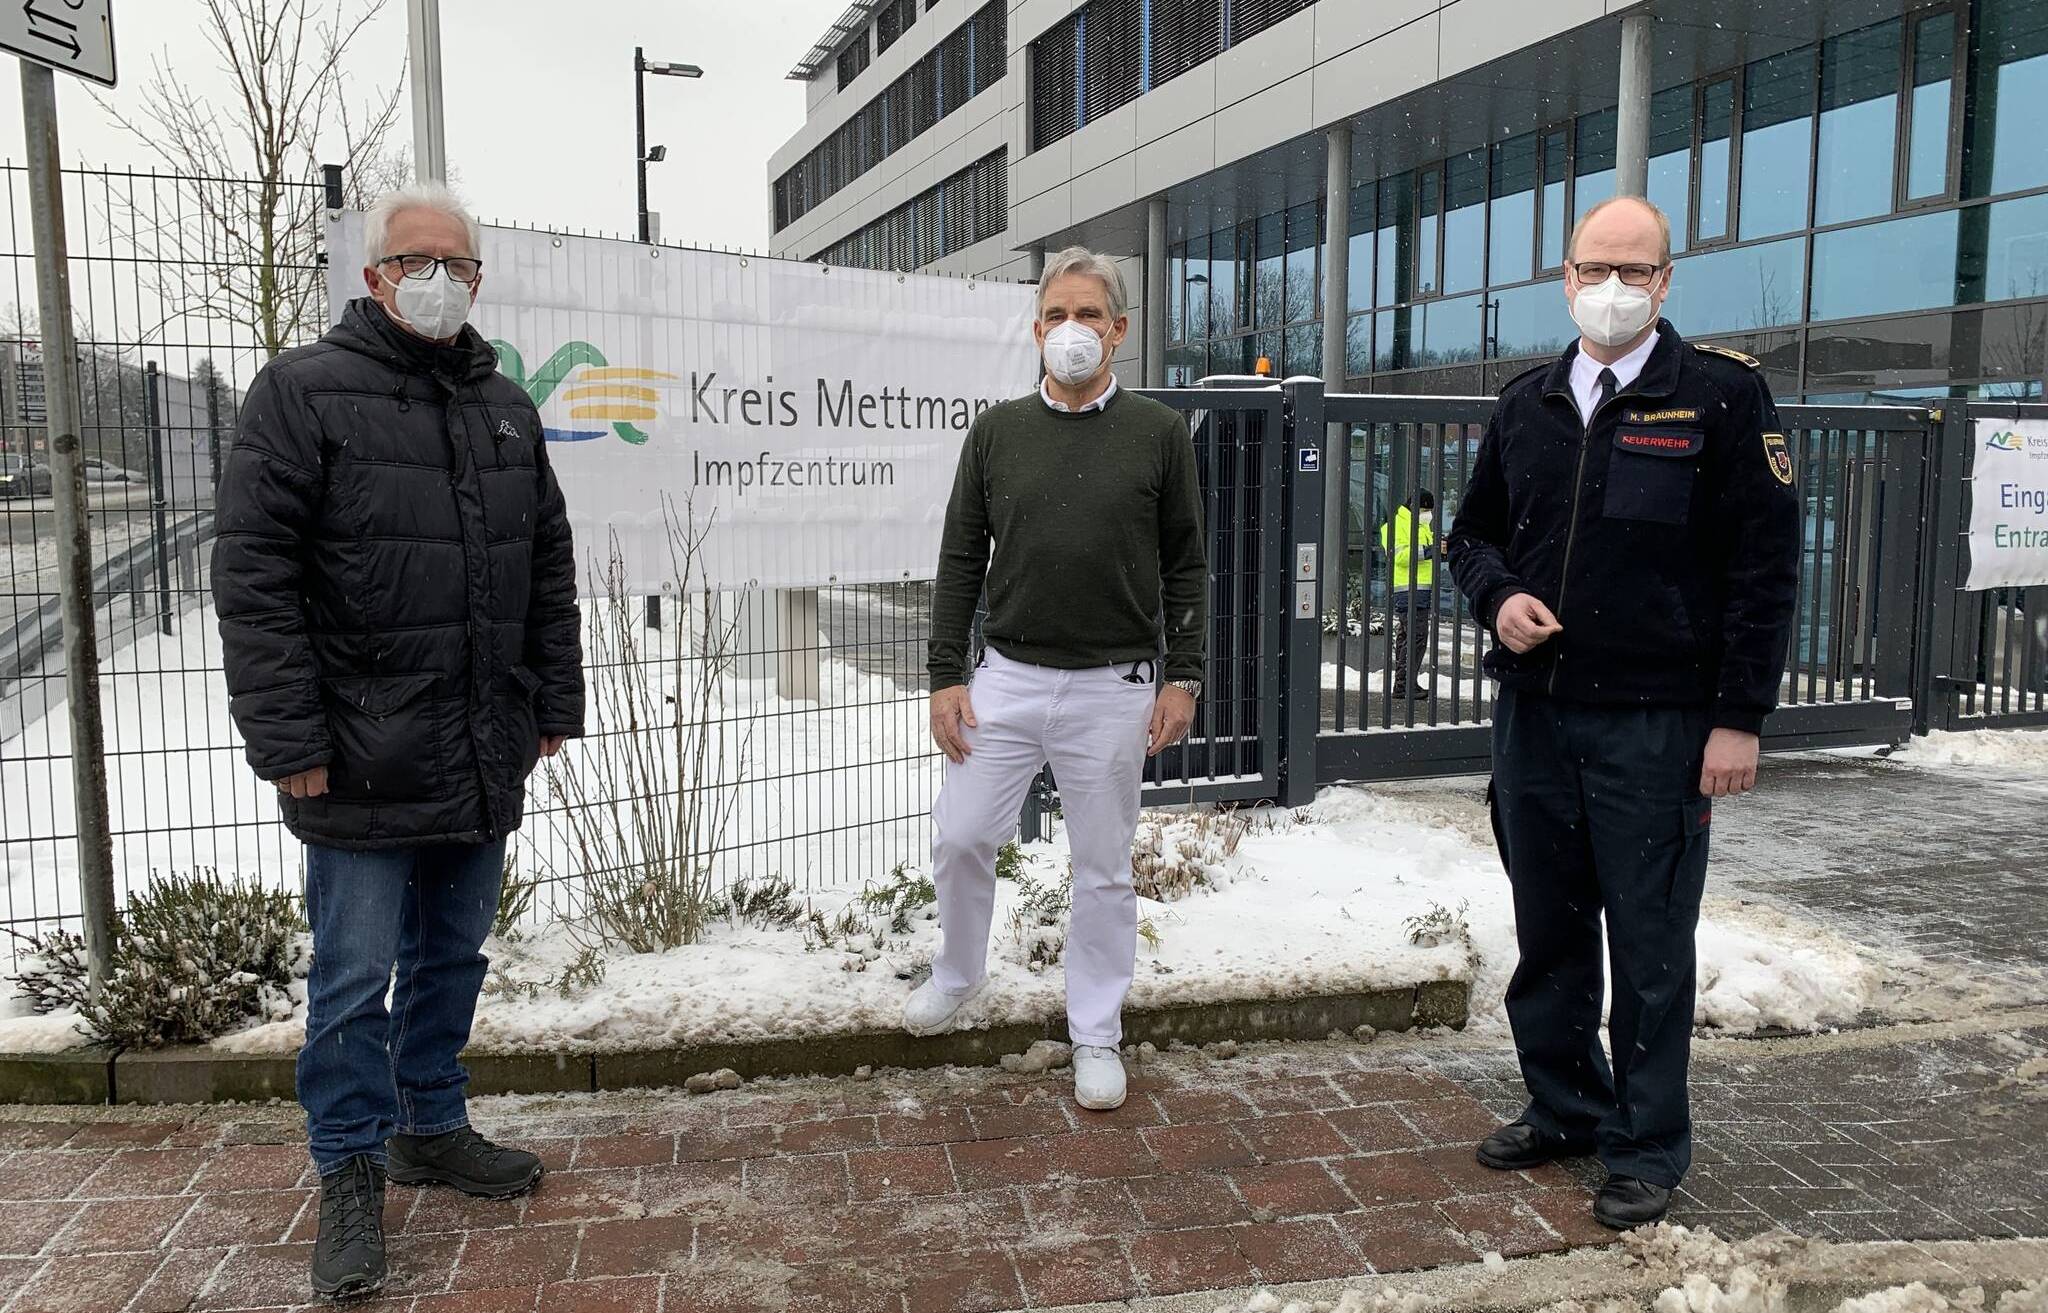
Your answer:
<point x="1298" y="595"/>
<point x="1939" y="644"/>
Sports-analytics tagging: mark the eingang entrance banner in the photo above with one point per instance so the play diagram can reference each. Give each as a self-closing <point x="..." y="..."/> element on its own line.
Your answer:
<point x="807" y="418"/>
<point x="2009" y="505"/>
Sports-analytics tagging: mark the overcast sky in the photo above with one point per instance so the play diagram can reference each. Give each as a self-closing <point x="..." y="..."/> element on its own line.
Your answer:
<point x="539" y="103"/>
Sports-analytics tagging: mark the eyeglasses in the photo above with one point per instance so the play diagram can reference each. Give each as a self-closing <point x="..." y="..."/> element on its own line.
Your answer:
<point x="1635" y="275"/>
<point x="460" y="267"/>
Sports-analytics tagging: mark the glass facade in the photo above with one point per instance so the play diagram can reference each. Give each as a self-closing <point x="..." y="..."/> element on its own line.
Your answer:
<point x="1868" y="215"/>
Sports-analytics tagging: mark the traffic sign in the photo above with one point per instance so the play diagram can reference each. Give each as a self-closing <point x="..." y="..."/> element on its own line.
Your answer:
<point x="71" y="36"/>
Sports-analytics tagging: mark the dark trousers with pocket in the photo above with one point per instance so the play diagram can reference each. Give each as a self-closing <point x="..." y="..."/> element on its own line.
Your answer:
<point x="1598" y="814"/>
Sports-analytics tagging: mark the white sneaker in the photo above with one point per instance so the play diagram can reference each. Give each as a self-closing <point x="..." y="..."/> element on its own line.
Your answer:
<point x="1098" y="1078"/>
<point x="930" y="1010"/>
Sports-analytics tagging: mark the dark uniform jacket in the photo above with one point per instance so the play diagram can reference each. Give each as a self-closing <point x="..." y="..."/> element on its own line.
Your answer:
<point x="1665" y="536"/>
<point x="396" y="586"/>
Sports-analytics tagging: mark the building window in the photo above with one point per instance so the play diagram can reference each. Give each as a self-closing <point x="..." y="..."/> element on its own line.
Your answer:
<point x="853" y="60"/>
<point x="1738" y="290"/>
<point x="965" y="63"/>
<point x="1777" y="143"/>
<point x="1671" y="116"/>
<point x="1511" y="223"/>
<point x="1555" y="223"/>
<point x="1428" y="230"/>
<point x="1930" y="108"/>
<point x="1464" y="222"/>
<point x="1113" y="73"/>
<point x="1859" y="116"/>
<point x="971" y="206"/>
<point x="1248" y="18"/>
<point x="1716" y="190"/>
<point x="1364" y="219"/>
<point x="893" y="21"/>
<point x="2008" y="151"/>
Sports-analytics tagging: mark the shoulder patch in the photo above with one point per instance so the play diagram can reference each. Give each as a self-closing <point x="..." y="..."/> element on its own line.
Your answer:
<point x="1728" y="353"/>
<point x="1780" y="457"/>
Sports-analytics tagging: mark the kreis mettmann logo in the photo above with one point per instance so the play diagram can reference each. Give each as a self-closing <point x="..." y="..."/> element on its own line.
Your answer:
<point x="603" y="396"/>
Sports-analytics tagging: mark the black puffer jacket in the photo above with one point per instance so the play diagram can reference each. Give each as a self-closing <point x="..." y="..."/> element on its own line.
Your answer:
<point x="396" y="586"/>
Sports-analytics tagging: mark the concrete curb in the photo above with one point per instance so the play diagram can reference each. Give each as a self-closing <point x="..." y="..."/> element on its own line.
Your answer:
<point x="200" y="1075"/>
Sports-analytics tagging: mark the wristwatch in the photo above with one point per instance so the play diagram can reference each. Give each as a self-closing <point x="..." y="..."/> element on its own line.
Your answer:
<point x="1191" y="687"/>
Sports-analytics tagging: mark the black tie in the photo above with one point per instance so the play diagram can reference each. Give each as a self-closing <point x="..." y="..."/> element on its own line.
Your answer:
<point x="1608" y="384"/>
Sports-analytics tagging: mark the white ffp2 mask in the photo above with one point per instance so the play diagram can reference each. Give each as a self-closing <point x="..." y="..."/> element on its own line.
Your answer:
<point x="1612" y="312"/>
<point x="434" y="307"/>
<point x="1073" y="353"/>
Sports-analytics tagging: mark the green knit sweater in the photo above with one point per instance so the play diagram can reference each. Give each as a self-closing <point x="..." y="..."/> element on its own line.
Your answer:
<point x="1097" y="525"/>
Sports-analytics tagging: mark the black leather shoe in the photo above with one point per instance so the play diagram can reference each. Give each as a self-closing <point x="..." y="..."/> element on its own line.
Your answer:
<point x="466" y="1160"/>
<point x="348" y="1257"/>
<point x="1519" y="1146"/>
<point x="1626" y="1203"/>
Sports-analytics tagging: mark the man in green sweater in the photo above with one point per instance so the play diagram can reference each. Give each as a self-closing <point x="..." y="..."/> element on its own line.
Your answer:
<point x="1090" y="499"/>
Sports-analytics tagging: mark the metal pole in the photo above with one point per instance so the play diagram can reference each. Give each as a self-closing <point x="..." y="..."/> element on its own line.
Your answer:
<point x="1336" y="325"/>
<point x="74" y="542"/>
<point x="213" y="424"/>
<point x="640" y="131"/>
<point x="429" y="129"/>
<point x="1632" y="132"/>
<point x="152" y="395"/>
<point x="1155" y="292"/>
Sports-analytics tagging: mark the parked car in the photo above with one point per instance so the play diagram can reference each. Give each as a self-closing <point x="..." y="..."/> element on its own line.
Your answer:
<point x="22" y="478"/>
<point x="98" y="471"/>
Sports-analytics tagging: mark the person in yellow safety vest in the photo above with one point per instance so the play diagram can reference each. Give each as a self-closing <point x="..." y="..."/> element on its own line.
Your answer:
<point x="1410" y="538"/>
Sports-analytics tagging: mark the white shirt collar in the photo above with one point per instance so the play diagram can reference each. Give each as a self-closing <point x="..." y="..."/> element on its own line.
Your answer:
<point x="1586" y="374"/>
<point x="1100" y="403"/>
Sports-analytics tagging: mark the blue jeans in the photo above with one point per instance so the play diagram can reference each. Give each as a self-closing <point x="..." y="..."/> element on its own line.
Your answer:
<point x="366" y="1070"/>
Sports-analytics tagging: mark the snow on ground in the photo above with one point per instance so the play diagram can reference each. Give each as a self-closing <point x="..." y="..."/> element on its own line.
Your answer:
<point x="2023" y="750"/>
<point x="1312" y="902"/>
<point x="1701" y="1273"/>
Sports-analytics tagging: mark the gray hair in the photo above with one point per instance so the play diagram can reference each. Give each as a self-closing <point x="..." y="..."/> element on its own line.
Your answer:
<point x="419" y="196"/>
<point x="1081" y="260"/>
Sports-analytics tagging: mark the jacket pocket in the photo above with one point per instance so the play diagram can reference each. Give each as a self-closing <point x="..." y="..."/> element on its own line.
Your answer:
<point x="1650" y="475"/>
<point x="385" y="746"/>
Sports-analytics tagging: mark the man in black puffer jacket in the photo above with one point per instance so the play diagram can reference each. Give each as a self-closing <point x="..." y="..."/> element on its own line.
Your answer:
<point x="397" y="597"/>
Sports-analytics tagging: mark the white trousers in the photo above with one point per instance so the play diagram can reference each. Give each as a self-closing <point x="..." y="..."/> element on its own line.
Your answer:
<point x="1091" y="727"/>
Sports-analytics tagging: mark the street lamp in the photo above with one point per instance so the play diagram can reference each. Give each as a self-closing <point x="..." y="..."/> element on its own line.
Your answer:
<point x="642" y="156"/>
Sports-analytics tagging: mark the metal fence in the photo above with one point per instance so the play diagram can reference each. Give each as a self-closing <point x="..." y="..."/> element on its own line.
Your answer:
<point x="822" y="769"/>
<point x="1403" y="692"/>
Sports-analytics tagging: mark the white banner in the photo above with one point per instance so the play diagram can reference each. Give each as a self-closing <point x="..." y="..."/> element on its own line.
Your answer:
<point x="812" y="417"/>
<point x="2009" y="505"/>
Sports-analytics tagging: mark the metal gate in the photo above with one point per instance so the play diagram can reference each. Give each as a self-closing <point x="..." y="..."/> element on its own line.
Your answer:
<point x="1984" y="654"/>
<point x="1233" y="751"/>
<point x="1849" y="671"/>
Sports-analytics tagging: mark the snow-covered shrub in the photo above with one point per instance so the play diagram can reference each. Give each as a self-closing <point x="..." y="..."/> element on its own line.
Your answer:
<point x="515" y="897"/>
<point x="194" y="957"/>
<point x="1039" y="921"/>
<point x="51" y="973"/>
<point x="1009" y="861"/>
<point x="1439" y="925"/>
<point x="585" y="971"/>
<point x="771" y="904"/>
<point x="1173" y="855"/>
<point x="903" y="897"/>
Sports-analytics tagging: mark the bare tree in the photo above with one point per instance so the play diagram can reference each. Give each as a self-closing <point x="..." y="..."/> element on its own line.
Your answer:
<point x="246" y="224"/>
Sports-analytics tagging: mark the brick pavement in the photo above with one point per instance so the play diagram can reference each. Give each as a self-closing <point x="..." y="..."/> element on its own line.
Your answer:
<point x="951" y="1192"/>
<point x="932" y="1193"/>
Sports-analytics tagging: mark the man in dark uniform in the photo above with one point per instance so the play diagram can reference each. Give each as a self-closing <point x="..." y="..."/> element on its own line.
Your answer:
<point x="1631" y="533"/>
